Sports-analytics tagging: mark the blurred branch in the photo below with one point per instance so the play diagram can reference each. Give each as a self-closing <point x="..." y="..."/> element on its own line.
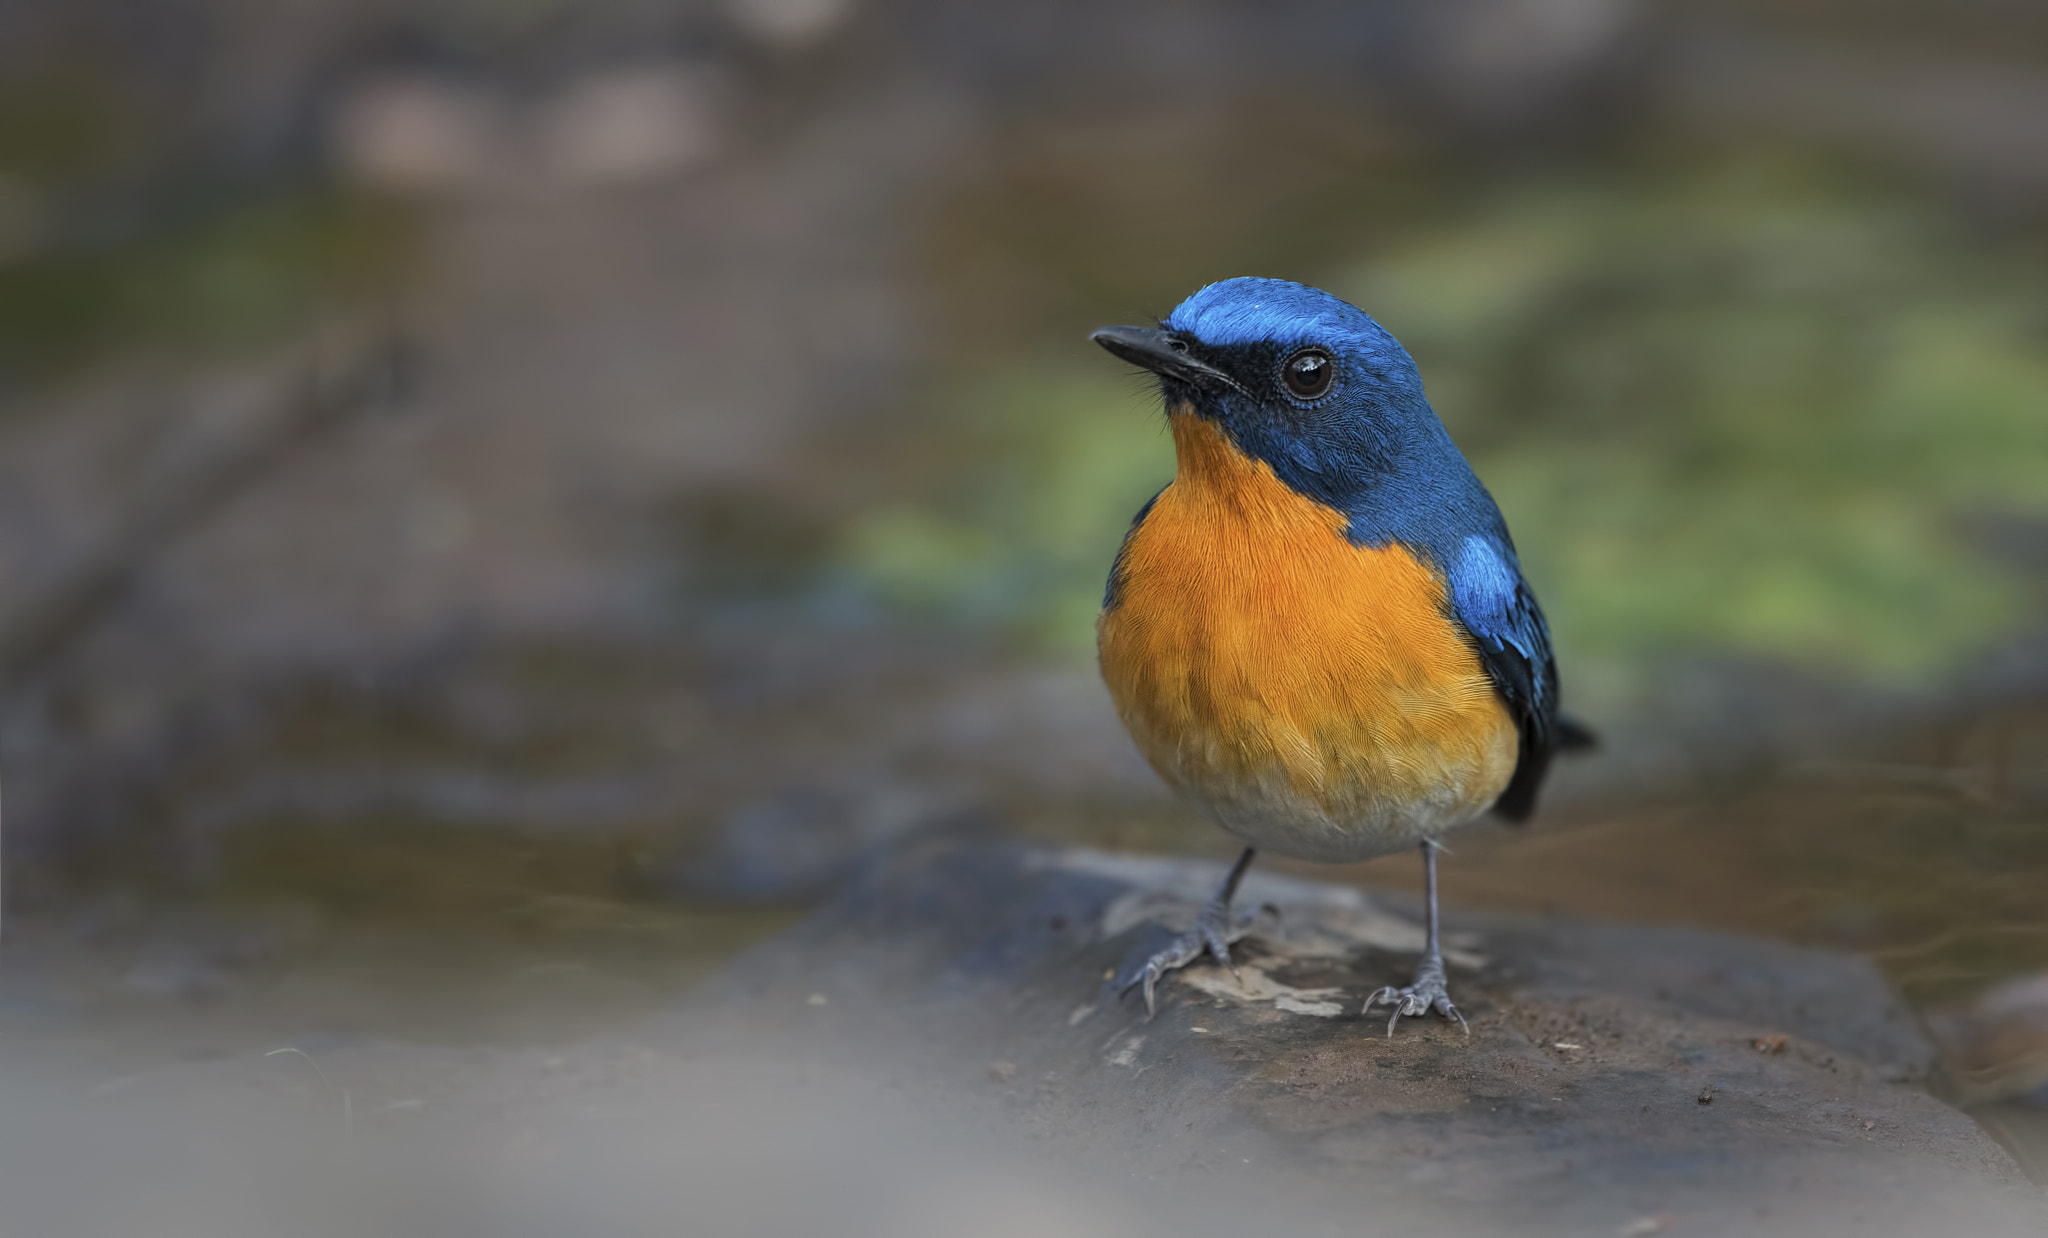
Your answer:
<point x="329" y="395"/>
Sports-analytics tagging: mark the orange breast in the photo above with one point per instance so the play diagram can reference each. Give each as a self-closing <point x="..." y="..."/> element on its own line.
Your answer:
<point x="1310" y="695"/>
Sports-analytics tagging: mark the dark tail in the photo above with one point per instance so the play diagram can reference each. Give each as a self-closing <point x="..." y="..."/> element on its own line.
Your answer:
<point x="1519" y="800"/>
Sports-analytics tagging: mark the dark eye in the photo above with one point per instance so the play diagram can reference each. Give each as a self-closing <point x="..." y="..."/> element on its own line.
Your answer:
<point x="1308" y="373"/>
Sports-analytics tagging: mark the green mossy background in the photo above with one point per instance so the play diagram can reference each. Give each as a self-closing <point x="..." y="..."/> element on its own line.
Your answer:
<point x="114" y="239"/>
<point x="225" y="280"/>
<point x="1756" y="408"/>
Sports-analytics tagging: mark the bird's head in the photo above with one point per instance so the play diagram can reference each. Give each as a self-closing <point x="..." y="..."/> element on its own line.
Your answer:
<point x="1295" y="377"/>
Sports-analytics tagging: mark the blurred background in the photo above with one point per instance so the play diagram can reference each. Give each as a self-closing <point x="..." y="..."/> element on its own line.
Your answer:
<point x="503" y="501"/>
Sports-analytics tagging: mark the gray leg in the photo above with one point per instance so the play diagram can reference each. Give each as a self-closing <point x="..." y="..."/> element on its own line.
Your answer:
<point x="1430" y="991"/>
<point x="1214" y="932"/>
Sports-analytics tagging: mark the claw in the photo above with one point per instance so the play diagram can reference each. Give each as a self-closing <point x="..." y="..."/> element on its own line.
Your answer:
<point x="1428" y="993"/>
<point x="1211" y="935"/>
<point x="1148" y="975"/>
<point x="1215" y="929"/>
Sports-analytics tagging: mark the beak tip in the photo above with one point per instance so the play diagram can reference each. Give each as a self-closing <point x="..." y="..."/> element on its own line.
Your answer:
<point x="1140" y="345"/>
<point x="1159" y="350"/>
<point x="1146" y="347"/>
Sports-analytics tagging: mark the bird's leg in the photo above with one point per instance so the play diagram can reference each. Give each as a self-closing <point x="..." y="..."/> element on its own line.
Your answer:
<point x="1430" y="990"/>
<point x="1214" y="932"/>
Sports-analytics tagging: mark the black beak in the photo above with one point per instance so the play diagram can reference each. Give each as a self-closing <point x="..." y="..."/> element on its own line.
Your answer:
<point x="1162" y="353"/>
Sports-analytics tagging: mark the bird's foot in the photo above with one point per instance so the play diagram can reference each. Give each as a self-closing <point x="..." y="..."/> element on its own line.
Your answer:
<point x="1215" y="931"/>
<point x="1429" y="992"/>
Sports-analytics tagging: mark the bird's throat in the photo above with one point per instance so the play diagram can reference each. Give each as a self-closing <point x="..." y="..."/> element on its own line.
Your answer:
<point x="1213" y="470"/>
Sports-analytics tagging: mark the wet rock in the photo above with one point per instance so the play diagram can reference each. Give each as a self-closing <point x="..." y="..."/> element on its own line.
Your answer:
<point x="1997" y="1047"/>
<point x="624" y="126"/>
<point x="789" y="23"/>
<point x="1995" y="1051"/>
<point x="1611" y="1073"/>
<point x="421" y="135"/>
<point x="794" y="844"/>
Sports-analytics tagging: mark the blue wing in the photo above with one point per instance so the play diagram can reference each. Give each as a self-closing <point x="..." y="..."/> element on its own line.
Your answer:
<point x="1498" y="609"/>
<point x="1115" y="584"/>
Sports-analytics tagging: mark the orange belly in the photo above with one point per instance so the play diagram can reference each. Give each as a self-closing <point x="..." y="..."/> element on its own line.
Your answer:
<point x="1309" y="695"/>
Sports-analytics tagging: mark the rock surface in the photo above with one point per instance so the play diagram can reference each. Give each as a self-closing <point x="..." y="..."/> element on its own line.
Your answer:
<point x="1615" y="1079"/>
<point x="939" y="1053"/>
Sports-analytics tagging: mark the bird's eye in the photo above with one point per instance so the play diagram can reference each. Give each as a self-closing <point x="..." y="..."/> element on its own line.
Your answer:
<point x="1308" y="373"/>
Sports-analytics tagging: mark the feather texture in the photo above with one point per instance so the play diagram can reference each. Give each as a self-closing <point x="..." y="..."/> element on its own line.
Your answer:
<point x="1309" y="693"/>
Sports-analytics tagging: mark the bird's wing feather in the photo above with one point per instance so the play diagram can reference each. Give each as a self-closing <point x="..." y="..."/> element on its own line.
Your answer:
<point x="1496" y="606"/>
<point x="1115" y="584"/>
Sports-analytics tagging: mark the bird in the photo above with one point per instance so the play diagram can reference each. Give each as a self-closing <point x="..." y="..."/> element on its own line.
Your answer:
<point x="1318" y="633"/>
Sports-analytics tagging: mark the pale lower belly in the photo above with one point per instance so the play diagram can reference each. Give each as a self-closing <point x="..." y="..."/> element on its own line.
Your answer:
<point x="1272" y="815"/>
<point x="1335" y="804"/>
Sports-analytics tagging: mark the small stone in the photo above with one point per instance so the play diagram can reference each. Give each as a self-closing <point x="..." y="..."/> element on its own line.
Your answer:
<point x="621" y="126"/>
<point x="1566" y="1044"/>
<point x="1003" y="1071"/>
<point x="1707" y="1094"/>
<point x="1773" y="1043"/>
<point x="420" y="135"/>
<point x="1643" y="1227"/>
<point x="789" y="23"/>
<point x="1294" y="1005"/>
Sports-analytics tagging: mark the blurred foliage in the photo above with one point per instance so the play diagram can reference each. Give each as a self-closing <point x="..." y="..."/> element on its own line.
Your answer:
<point x="1080" y="221"/>
<point x="1753" y="409"/>
<point x="63" y="124"/>
<point x="243" y="276"/>
<point x="1743" y="411"/>
<point x="1064" y="457"/>
<point x="115" y="232"/>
